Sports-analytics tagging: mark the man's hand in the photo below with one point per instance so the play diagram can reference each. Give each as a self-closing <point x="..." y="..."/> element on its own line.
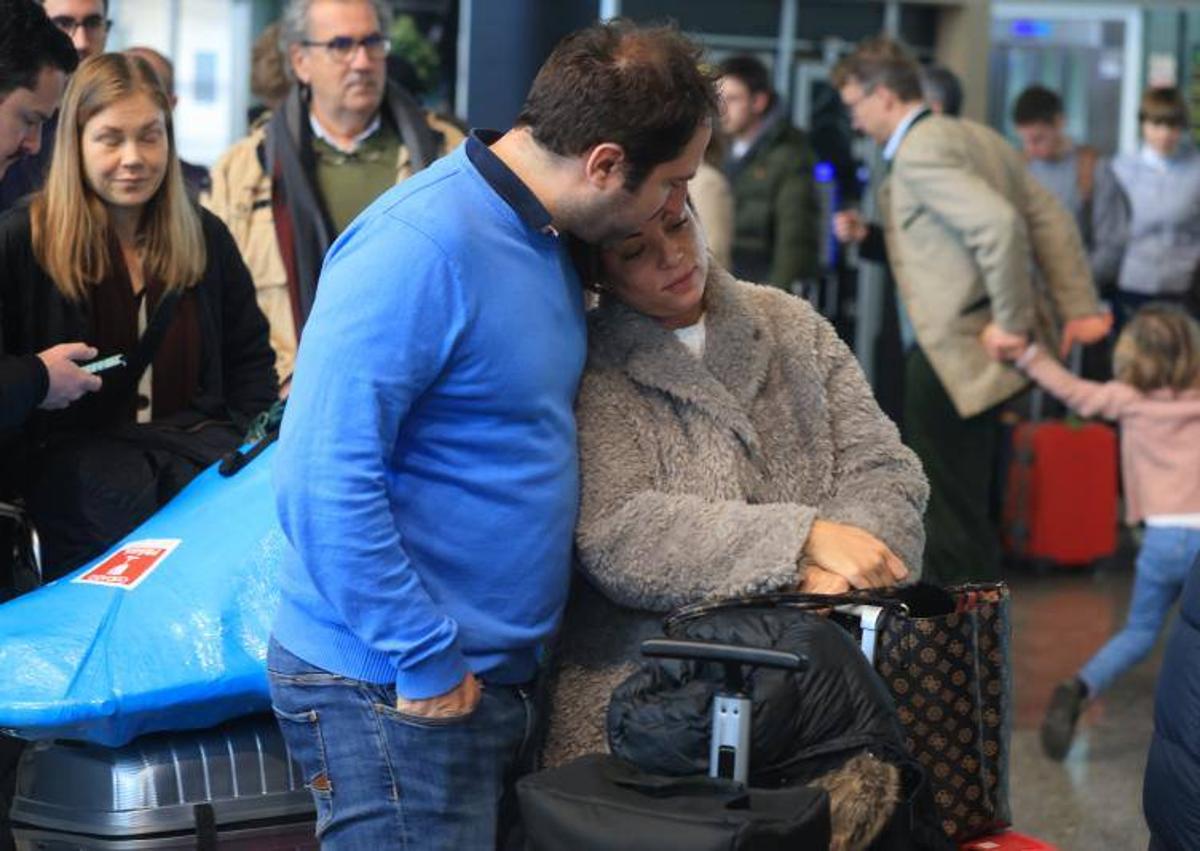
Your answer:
<point x="857" y="556"/>
<point x="1085" y="330"/>
<point x="1002" y="345"/>
<point x="459" y="702"/>
<point x="67" y="381"/>
<point x="848" y="226"/>
<point x="818" y="580"/>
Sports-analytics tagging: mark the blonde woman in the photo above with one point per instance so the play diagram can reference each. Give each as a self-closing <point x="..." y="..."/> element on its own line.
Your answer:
<point x="112" y="252"/>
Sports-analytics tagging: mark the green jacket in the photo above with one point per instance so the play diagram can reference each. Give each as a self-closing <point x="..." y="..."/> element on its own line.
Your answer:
<point x="776" y="228"/>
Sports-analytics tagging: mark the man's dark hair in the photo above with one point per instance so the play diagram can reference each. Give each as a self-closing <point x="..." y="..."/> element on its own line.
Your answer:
<point x="1036" y="105"/>
<point x="941" y="85"/>
<point x="753" y="74"/>
<point x="880" y="61"/>
<point x="638" y="87"/>
<point x="105" y="4"/>
<point x="29" y="42"/>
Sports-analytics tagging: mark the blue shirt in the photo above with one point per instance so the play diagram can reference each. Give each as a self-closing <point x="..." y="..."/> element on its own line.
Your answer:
<point x="427" y="474"/>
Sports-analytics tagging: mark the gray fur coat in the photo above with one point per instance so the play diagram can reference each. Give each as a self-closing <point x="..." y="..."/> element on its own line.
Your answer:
<point x="701" y="478"/>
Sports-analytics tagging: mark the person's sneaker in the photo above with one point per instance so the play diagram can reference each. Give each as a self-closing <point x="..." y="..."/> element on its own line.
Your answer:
<point x="1058" y="728"/>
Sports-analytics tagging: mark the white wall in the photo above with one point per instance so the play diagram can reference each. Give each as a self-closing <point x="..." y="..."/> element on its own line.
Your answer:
<point x="209" y="43"/>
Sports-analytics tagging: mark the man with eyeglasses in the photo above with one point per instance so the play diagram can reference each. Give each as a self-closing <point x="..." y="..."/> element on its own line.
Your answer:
<point x="964" y="228"/>
<point x="86" y="23"/>
<point x="342" y="136"/>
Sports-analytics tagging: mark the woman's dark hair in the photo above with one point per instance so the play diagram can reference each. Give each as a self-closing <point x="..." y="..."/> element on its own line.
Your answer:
<point x="29" y="42"/>
<point x="638" y="87"/>
<point x="1037" y="105"/>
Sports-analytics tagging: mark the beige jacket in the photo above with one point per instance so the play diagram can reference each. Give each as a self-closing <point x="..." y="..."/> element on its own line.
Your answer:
<point x="966" y="224"/>
<point x="712" y="196"/>
<point x="241" y="198"/>
<point x="701" y="479"/>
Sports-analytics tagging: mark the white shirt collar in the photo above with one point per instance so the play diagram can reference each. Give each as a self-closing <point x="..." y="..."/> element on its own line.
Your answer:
<point x="1154" y="159"/>
<point x="320" y="133"/>
<point x="901" y="131"/>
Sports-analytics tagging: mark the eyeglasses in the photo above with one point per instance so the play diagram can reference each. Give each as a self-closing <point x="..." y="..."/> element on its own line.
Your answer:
<point x="92" y="24"/>
<point x="342" y="48"/>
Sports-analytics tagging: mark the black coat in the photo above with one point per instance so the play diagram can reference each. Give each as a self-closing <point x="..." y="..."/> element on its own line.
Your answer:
<point x="1171" y="794"/>
<point x="237" y="377"/>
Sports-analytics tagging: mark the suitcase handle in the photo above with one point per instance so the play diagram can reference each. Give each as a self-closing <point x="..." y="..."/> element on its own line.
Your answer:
<point x="729" y="753"/>
<point x="732" y="656"/>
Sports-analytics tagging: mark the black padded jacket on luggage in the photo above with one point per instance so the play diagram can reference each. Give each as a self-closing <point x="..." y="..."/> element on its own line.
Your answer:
<point x="805" y="725"/>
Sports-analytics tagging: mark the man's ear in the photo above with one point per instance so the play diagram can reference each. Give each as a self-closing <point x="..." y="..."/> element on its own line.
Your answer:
<point x="604" y="165"/>
<point x="299" y="61"/>
<point x="759" y="101"/>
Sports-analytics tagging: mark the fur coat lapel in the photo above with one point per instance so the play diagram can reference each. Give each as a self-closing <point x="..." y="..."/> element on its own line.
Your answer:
<point x="724" y="384"/>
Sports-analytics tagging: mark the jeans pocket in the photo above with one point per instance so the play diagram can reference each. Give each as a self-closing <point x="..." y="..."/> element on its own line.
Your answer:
<point x="383" y="698"/>
<point x="302" y="733"/>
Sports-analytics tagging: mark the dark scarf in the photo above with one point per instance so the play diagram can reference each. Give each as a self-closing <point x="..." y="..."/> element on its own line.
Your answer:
<point x="302" y="224"/>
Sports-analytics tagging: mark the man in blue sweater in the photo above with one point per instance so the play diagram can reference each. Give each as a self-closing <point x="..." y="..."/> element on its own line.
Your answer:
<point x="427" y="474"/>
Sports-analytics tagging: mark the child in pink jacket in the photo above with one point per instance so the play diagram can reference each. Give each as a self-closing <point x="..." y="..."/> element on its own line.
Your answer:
<point x="1155" y="397"/>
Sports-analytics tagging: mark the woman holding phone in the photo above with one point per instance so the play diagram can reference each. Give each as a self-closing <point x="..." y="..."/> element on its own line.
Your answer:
<point x="112" y="252"/>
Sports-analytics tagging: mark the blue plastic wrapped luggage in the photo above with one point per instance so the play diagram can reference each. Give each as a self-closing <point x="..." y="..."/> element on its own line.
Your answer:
<point x="166" y="631"/>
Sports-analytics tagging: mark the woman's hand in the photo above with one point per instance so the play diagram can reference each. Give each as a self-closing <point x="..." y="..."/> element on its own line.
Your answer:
<point x="857" y="556"/>
<point x="818" y="580"/>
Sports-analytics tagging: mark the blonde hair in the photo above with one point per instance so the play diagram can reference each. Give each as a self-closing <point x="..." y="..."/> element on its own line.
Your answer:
<point x="1160" y="347"/>
<point x="70" y="222"/>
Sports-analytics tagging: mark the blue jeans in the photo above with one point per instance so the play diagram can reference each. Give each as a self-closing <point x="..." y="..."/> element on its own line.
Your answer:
<point x="382" y="779"/>
<point x="1162" y="567"/>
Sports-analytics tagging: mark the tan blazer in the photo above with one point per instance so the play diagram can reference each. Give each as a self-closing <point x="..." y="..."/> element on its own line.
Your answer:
<point x="965" y="225"/>
<point x="241" y="197"/>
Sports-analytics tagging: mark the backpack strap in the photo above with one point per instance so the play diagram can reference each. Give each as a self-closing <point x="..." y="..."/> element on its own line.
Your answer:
<point x="152" y="337"/>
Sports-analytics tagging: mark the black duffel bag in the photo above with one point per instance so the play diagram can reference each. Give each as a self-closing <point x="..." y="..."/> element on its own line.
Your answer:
<point x="599" y="803"/>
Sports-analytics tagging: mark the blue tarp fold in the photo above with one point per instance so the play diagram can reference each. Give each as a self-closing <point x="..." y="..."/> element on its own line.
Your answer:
<point x="166" y="631"/>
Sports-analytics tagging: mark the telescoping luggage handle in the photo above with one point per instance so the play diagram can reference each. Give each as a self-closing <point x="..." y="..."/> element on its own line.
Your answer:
<point x="729" y="753"/>
<point x="869" y="609"/>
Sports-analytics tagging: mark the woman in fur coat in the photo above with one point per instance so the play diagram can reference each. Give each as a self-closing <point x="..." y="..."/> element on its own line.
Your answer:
<point x="729" y="445"/>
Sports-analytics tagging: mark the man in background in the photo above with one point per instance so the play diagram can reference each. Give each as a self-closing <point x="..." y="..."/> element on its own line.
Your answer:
<point x="35" y="59"/>
<point x="341" y="137"/>
<point x="770" y="166"/>
<point x="86" y="24"/>
<point x="964" y="225"/>
<point x="1078" y="176"/>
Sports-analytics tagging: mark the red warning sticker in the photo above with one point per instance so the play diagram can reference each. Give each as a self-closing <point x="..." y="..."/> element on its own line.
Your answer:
<point x="130" y="565"/>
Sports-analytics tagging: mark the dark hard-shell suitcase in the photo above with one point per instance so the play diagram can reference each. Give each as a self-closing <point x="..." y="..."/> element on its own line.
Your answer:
<point x="229" y="787"/>
<point x="1061" y="501"/>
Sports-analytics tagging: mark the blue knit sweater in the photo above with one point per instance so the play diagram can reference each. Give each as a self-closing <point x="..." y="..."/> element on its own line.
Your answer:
<point x="426" y="476"/>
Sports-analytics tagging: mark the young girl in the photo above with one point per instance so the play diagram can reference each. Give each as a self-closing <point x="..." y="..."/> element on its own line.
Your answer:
<point x="1156" y="399"/>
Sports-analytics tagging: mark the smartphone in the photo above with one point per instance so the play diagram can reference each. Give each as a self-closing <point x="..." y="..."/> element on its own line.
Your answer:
<point x="101" y="365"/>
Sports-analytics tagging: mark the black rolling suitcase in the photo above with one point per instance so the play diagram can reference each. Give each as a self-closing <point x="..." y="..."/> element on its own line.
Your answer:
<point x="600" y="803"/>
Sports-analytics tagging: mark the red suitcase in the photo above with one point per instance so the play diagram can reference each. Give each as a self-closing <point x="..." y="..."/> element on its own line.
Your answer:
<point x="1010" y="840"/>
<point x="1061" y="500"/>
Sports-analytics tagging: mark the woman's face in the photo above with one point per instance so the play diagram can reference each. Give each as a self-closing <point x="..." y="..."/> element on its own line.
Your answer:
<point x="125" y="151"/>
<point x="1162" y="137"/>
<point x="660" y="270"/>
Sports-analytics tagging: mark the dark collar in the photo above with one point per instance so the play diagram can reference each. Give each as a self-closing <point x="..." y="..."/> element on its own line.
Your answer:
<point x="504" y="180"/>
